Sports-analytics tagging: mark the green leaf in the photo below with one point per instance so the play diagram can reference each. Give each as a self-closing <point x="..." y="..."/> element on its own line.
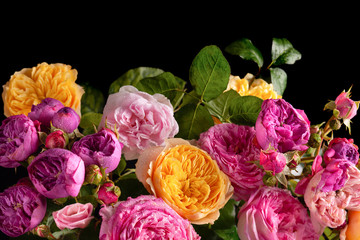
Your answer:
<point x="206" y="232"/>
<point x="92" y="101"/>
<point x="283" y="52"/>
<point x="279" y="80"/>
<point x="166" y="84"/>
<point x="209" y="73"/>
<point x="246" y="50"/>
<point x="245" y="110"/>
<point x="227" y="216"/>
<point x="219" y="107"/>
<point x="133" y="76"/>
<point x="131" y="187"/>
<point x="89" y="121"/>
<point x="228" y="234"/>
<point x="121" y="167"/>
<point x="193" y="120"/>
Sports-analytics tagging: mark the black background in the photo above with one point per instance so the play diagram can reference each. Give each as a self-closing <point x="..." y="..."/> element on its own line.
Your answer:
<point x="104" y="42"/>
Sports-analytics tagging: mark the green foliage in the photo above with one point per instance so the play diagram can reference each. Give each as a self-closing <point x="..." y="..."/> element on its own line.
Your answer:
<point x="245" y="110"/>
<point x="89" y="122"/>
<point x="93" y="100"/>
<point x="283" y="52"/>
<point x="246" y="50"/>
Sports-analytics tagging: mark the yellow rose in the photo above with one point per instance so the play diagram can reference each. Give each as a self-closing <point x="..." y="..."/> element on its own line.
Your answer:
<point x="352" y="230"/>
<point x="31" y="85"/>
<point x="251" y="86"/>
<point x="186" y="178"/>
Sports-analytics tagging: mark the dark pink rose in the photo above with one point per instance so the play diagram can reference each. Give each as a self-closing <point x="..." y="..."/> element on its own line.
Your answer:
<point x="57" y="173"/>
<point x="22" y="208"/>
<point x="66" y="119"/>
<point x="72" y="216"/>
<point x="315" y="167"/>
<point x="273" y="161"/>
<point x="342" y="149"/>
<point x="44" y="112"/>
<point x="347" y="108"/>
<point x="55" y="139"/>
<point x="281" y="126"/>
<point x="108" y="193"/>
<point x="101" y="148"/>
<point x="144" y="217"/>
<point x="234" y="149"/>
<point x="273" y="213"/>
<point x="18" y="140"/>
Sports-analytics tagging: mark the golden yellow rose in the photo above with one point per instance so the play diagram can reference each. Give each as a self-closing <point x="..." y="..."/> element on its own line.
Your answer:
<point x="31" y="85"/>
<point x="186" y="178"/>
<point x="251" y="86"/>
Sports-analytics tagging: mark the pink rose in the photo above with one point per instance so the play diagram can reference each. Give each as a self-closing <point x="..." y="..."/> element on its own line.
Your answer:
<point x="142" y="120"/>
<point x="342" y="148"/>
<point x="273" y="213"/>
<point x="315" y="167"/>
<point x="55" y="139"/>
<point x="328" y="208"/>
<point x="273" y="161"/>
<point x="144" y="217"/>
<point x="347" y="108"/>
<point x="72" y="216"/>
<point x="233" y="148"/>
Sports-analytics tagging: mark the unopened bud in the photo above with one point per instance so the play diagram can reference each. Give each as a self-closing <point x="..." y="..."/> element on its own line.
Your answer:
<point x="335" y="124"/>
<point x="43" y="231"/>
<point x="56" y="139"/>
<point x="269" y="179"/>
<point x="314" y="140"/>
<point x="108" y="193"/>
<point x="93" y="175"/>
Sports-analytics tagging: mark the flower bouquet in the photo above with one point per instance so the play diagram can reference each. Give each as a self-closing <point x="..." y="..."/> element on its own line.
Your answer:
<point x="214" y="157"/>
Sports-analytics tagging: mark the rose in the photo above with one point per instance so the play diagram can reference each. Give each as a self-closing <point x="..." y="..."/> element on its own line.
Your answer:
<point x="57" y="173"/>
<point x="55" y="139"/>
<point x="233" y="149"/>
<point x="101" y="148"/>
<point x="72" y="216"/>
<point x="44" y="112"/>
<point x="22" y="208"/>
<point x="281" y="126"/>
<point x="66" y="119"/>
<point x="273" y="213"/>
<point x="351" y="231"/>
<point x="108" y="193"/>
<point x="302" y="184"/>
<point x="346" y="107"/>
<point x="141" y="120"/>
<point x="45" y="80"/>
<point x="18" y="140"/>
<point x="186" y="178"/>
<point x="273" y="161"/>
<point x="144" y="217"/>
<point x="327" y="208"/>
<point x="342" y="148"/>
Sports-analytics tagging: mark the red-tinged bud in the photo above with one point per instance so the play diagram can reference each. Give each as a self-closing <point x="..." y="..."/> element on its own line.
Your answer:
<point x="108" y="193"/>
<point x="56" y="139"/>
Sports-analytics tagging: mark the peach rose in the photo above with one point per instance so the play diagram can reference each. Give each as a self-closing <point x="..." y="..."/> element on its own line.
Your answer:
<point x="31" y="85"/>
<point x="186" y="178"/>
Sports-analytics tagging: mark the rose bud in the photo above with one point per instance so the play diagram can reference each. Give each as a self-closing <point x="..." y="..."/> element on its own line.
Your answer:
<point x="57" y="173"/>
<point x="56" y="139"/>
<point x="101" y="148"/>
<point x="346" y="107"/>
<point x="18" y="140"/>
<point x="44" y="111"/>
<point x="272" y="161"/>
<point x="93" y="175"/>
<point x="43" y="231"/>
<point x="66" y="119"/>
<point x="22" y="208"/>
<point x="108" y="193"/>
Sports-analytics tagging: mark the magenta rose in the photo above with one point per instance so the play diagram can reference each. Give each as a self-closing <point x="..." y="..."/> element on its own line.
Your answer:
<point x="233" y="148"/>
<point x="144" y="217"/>
<point x="342" y="149"/>
<point x="315" y="167"/>
<point x="72" y="216"/>
<point x="18" y="140"/>
<point x="66" y="119"/>
<point x="281" y="126"/>
<point x="347" y="108"/>
<point x="57" y="173"/>
<point x="56" y="139"/>
<point x="331" y="192"/>
<point x="273" y="213"/>
<point x="22" y="208"/>
<point x="44" y="112"/>
<point x="108" y="193"/>
<point x="142" y="120"/>
<point x="101" y="148"/>
<point x="273" y="161"/>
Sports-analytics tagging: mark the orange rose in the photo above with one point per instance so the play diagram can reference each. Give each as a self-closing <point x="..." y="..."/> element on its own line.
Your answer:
<point x="31" y="85"/>
<point x="251" y="86"/>
<point x="353" y="230"/>
<point x="186" y="178"/>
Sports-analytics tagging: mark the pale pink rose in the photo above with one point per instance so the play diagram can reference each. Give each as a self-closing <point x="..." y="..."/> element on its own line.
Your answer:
<point x="142" y="120"/>
<point x="347" y="108"/>
<point x="328" y="207"/>
<point x="72" y="216"/>
<point x="273" y="213"/>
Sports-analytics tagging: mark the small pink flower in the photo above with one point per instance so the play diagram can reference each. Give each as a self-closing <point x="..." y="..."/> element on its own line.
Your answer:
<point x="66" y="119"/>
<point x="273" y="161"/>
<point x="55" y="139"/>
<point x="347" y="108"/>
<point x="72" y="216"/>
<point x="108" y="193"/>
